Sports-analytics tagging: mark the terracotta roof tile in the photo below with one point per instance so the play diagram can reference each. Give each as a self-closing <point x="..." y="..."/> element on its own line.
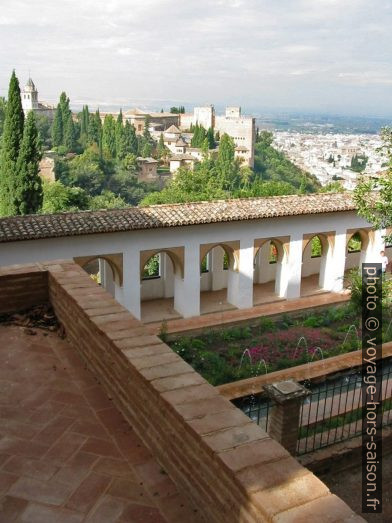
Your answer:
<point x="161" y="216"/>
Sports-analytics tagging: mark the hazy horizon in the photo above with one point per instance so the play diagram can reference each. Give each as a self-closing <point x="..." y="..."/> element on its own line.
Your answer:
<point x="327" y="57"/>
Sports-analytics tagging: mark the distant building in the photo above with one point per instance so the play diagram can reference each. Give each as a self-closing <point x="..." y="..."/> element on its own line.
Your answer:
<point x="137" y="117"/>
<point x="242" y="129"/>
<point x="182" y="160"/>
<point x="30" y="101"/>
<point x="46" y="168"/>
<point x="148" y="169"/>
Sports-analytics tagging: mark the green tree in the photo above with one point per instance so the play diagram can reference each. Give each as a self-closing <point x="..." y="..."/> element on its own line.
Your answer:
<point x="44" y="126"/>
<point x="28" y="196"/>
<point x="3" y="107"/>
<point x="359" y="162"/>
<point x="69" y="140"/>
<point x="106" y="200"/>
<point x="59" y="198"/>
<point x="162" y="150"/>
<point x="376" y="208"/>
<point x="199" y="134"/>
<point x="84" y="120"/>
<point x="147" y="150"/>
<point x="11" y="141"/>
<point x="130" y="139"/>
<point x="95" y="129"/>
<point x="211" y="138"/>
<point x="57" y="127"/>
<point x="109" y="135"/>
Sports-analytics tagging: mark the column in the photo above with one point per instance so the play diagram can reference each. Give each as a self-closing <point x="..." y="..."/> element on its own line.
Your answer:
<point x="129" y="293"/>
<point x="375" y="246"/>
<point x="335" y="263"/>
<point x="187" y="288"/>
<point x="283" y="423"/>
<point x="240" y="283"/>
<point x="290" y="272"/>
<point x="106" y="276"/>
<point x="216" y="269"/>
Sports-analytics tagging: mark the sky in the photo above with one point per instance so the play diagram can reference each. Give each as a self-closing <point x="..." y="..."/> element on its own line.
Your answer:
<point x="326" y="56"/>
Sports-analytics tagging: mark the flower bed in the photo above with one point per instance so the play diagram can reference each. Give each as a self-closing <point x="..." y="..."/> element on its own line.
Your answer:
<point x="235" y="353"/>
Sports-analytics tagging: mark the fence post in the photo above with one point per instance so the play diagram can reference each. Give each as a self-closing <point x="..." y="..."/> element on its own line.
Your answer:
<point x="283" y="419"/>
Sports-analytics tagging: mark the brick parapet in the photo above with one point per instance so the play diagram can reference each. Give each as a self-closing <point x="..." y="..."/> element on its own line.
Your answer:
<point x="228" y="465"/>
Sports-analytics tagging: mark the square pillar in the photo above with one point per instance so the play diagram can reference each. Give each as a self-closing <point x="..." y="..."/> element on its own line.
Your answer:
<point x="106" y="276"/>
<point x="375" y="246"/>
<point x="240" y="284"/>
<point x="216" y="269"/>
<point x="335" y="263"/>
<point x="290" y="272"/>
<point x="129" y="293"/>
<point x="187" y="288"/>
<point x="283" y="422"/>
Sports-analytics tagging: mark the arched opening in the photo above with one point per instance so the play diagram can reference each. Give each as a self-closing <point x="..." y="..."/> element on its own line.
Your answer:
<point x="269" y="255"/>
<point x="157" y="285"/>
<point x="314" y="260"/>
<point x="217" y="263"/>
<point x="356" y="250"/>
<point x="103" y="271"/>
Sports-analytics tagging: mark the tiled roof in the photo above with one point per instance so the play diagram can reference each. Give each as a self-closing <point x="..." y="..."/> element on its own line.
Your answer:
<point x="161" y="216"/>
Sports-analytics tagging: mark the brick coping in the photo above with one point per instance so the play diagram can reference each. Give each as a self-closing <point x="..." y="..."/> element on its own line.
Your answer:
<point x="308" y="371"/>
<point x="216" y="455"/>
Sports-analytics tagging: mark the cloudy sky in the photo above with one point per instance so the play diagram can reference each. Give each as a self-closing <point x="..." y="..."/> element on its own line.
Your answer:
<point x="309" y="55"/>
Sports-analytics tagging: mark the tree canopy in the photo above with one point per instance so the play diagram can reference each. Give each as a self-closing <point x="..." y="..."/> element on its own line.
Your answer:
<point x="377" y="210"/>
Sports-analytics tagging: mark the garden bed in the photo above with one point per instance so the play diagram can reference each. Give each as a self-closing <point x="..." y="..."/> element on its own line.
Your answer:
<point x="235" y="353"/>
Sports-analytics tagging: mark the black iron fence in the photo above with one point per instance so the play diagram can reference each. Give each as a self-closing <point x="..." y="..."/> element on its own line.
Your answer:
<point x="257" y="407"/>
<point x="331" y="413"/>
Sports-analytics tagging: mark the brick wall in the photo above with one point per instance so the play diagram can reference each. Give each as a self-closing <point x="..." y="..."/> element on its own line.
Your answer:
<point x="21" y="287"/>
<point x="231" y="468"/>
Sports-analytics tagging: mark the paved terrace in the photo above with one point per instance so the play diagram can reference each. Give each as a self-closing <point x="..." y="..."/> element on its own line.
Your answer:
<point x="223" y="463"/>
<point x="66" y="453"/>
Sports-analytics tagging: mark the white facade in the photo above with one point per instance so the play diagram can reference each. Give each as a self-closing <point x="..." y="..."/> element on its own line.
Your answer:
<point x="186" y="246"/>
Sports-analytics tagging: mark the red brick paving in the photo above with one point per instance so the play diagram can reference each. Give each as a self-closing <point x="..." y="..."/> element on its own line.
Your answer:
<point x="66" y="453"/>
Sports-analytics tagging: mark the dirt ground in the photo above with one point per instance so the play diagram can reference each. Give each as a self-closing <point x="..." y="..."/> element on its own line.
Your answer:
<point x="347" y="485"/>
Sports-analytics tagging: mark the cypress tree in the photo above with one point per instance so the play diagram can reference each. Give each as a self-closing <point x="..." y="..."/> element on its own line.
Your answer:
<point x="29" y="194"/>
<point x="131" y="138"/>
<point x="57" y="128"/>
<point x="161" y="149"/>
<point x="69" y="134"/>
<point x="210" y="137"/>
<point x="109" y="135"/>
<point x="120" y="142"/>
<point x="11" y="140"/>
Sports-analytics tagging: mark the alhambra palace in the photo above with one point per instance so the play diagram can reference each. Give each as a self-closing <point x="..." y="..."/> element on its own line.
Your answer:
<point x="110" y="420"/>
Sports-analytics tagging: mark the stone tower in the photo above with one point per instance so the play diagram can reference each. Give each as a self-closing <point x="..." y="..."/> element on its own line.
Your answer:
<point x="29" y="97"/>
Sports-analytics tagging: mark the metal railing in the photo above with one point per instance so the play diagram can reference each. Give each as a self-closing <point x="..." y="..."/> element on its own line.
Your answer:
<point x="256" y="407"/>
<point x="333" y="411"/>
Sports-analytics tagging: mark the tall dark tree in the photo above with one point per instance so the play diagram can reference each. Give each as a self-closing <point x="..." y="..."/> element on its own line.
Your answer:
<point x="211" y="138"/>
<point x="28" y="194"/>
<point x="95" y="129"/>
<point x="3" y="106"/>
<point x="84" y="118"/>
<point x="57" y="128"/>
<point x="109" y="135"/>
<point x="69" y="140"/>
<point x="130" y="138"/>
<point x="11" y="140"/>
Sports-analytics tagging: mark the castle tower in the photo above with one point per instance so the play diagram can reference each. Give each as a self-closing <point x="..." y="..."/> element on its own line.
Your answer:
<point x="29" y="97"/>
